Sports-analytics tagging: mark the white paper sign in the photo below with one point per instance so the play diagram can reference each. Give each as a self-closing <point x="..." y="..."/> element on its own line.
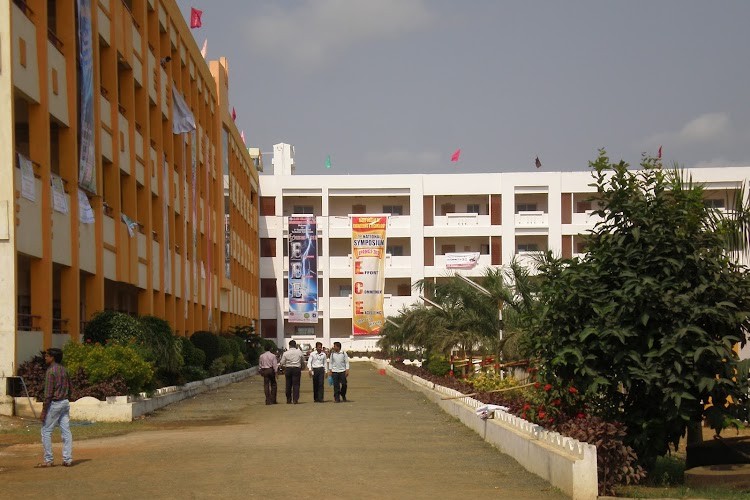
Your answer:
<point x="28" y="185"/>
<point x="85" y="213"/>
<point x="59" y="201"/>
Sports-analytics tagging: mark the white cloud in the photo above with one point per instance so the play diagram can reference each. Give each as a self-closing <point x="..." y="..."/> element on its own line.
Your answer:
<point x="316" y="31"/>
<point x="709" y="128"/>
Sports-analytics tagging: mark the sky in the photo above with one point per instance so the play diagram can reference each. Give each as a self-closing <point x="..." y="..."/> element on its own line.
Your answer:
<point x="396" y="86"/>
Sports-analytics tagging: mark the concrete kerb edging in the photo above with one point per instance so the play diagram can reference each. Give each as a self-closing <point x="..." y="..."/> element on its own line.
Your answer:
<point x="565" y="463"/>
<point x="127" y="408"/>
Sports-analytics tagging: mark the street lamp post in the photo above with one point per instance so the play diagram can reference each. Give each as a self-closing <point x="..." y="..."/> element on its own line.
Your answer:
<point x="486" y="292"/>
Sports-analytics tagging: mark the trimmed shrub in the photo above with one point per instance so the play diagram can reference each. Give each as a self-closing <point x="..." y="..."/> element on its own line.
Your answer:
<point x="99" y="327"/>
<point x="438" y="365"/>
<point x="164" y="349"/>
<point x="209" y="344"/>
<point x="102" y="363"/>
<point x="191" y="373"/>
<point x="191" y="354"/>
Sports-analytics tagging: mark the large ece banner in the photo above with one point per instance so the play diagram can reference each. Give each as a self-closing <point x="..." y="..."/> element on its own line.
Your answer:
<point x="87" y="163"/>
<point x="368" y="273"/>
<point x="303" y="269"/>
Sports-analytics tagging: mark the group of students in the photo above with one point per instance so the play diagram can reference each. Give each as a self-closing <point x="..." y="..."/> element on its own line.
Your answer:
<point x="335" y="363"/>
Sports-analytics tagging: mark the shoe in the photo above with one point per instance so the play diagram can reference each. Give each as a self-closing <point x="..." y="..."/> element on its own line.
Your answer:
<point x="69" y="463"/>
<point x="43" y="465"/>
<point x="343" y="399"/>
<point x="337" y="401"/>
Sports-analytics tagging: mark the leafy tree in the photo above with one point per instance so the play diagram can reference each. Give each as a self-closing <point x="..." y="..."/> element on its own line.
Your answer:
<point x="645" y="323"/>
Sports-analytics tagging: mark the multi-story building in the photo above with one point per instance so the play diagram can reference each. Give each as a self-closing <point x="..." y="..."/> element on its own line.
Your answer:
<point x="436" y="224"/>
<point x="117" y="148"/>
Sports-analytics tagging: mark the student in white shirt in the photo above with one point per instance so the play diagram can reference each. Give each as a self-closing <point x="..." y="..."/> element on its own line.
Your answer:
<point x="316" y="365"/>
<point x="292" y="360"/>
<point x="339" y="369"/>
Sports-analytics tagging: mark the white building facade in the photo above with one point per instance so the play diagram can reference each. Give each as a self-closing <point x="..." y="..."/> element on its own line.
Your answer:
<point x="433" y="219"/>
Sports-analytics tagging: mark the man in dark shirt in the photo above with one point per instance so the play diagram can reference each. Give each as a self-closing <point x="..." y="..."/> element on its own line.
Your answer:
<point x="56" y="409"/>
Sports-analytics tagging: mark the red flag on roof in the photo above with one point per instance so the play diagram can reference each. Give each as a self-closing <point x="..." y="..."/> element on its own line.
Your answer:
<point x="456" y="154"/>
<point x="234" y="114"/>
<point x="242" y="136"/>
<point x="195" y="17"/>
<point x="659" y="154"/>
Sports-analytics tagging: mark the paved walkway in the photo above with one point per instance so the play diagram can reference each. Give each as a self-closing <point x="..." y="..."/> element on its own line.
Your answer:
<point x="387" y="442"/>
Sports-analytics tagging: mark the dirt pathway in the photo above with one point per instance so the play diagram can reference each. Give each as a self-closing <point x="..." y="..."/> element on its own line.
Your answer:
<point x="387" y="442"/>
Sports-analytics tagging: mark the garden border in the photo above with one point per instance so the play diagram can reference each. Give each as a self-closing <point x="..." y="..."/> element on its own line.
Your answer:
<point x="564" y="462"/>
<point x="128" y="408"/>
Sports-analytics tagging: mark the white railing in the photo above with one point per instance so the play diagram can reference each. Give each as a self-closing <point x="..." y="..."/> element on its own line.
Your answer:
<point x="585" y="218"/>
<point x="533" y="219"/>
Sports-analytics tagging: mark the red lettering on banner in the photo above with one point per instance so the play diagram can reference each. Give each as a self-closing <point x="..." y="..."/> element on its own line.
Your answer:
<point x="359" y="307"/>
<point x="359" y="287"/>
<point x="358" y="267"/>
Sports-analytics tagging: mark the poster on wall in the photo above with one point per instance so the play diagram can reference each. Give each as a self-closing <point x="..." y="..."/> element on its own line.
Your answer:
<point x="368" y="273"/>
<point x="87" y="164"/>
<point x="461" y="260"/>
<point x="303" y="269"/>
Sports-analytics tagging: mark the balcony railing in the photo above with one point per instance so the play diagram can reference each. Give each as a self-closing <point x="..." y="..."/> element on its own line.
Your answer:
<point x="533" y="219"/>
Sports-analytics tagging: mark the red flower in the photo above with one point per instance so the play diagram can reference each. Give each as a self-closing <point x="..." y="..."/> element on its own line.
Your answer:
<point x="537" y="385"/>
<point x="573" y="390"/>
<point x="580" y="415"/>
<point x="541" y="414"/>
<point x="556" y="402"/>
<point x="526" y="406"/>
<point x="547" y="387"/>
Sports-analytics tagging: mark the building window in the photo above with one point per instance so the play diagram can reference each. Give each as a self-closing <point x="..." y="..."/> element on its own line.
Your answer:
<point x="359" y="209"/>
<point x="713" y="203"/>
<point x="583" y="206"/>
<point x="393" y="209"/>
<point x="484" y="249"/>
<point x="345" y="290"/>
<point x="304" y="330"/>
<point x="528" y="247"/>
<point x="268" y="287"/>
<point x="396" y="250"/>
<point x="473" y="208"/>
<point x="525" y="207"/>
<point x="267" y="205"/>
<point x="304" y="209"/>
<point x="447" y="208"/>
<point x="268" y="247"/>
<point x="448" y="249"/>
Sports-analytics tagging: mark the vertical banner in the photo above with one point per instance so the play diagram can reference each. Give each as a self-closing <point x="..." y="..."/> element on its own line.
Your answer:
<point x="85" y="213"/>
<point x="303" y="269"/>
<point x="194" y="198"/>
<point x="165" y="209"/>
<point x="87" y="158"/>
<point x="209" y="214"/>
<point x="368" y="278"/>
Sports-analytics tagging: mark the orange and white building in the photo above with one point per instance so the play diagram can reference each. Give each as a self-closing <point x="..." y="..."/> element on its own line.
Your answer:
<point x="114" y="194"/>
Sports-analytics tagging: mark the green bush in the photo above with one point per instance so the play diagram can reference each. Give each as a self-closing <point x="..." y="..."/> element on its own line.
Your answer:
<point x="209" y="344"/>
<point x="102" y="363"/>
<point x="99" y="327"/>
<point x="191" y="373"/>
<point x="165" y="350"/>
<point x="191" y="354"/>
<point x="438" y="365"/>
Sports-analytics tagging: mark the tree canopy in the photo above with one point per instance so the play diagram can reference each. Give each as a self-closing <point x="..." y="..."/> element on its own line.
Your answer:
<point x="647" y="321"/>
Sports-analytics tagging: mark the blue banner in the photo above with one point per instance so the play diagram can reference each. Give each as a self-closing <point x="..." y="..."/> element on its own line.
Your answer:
<point x="303" y="270"/>
<point x="87" y="158"/>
